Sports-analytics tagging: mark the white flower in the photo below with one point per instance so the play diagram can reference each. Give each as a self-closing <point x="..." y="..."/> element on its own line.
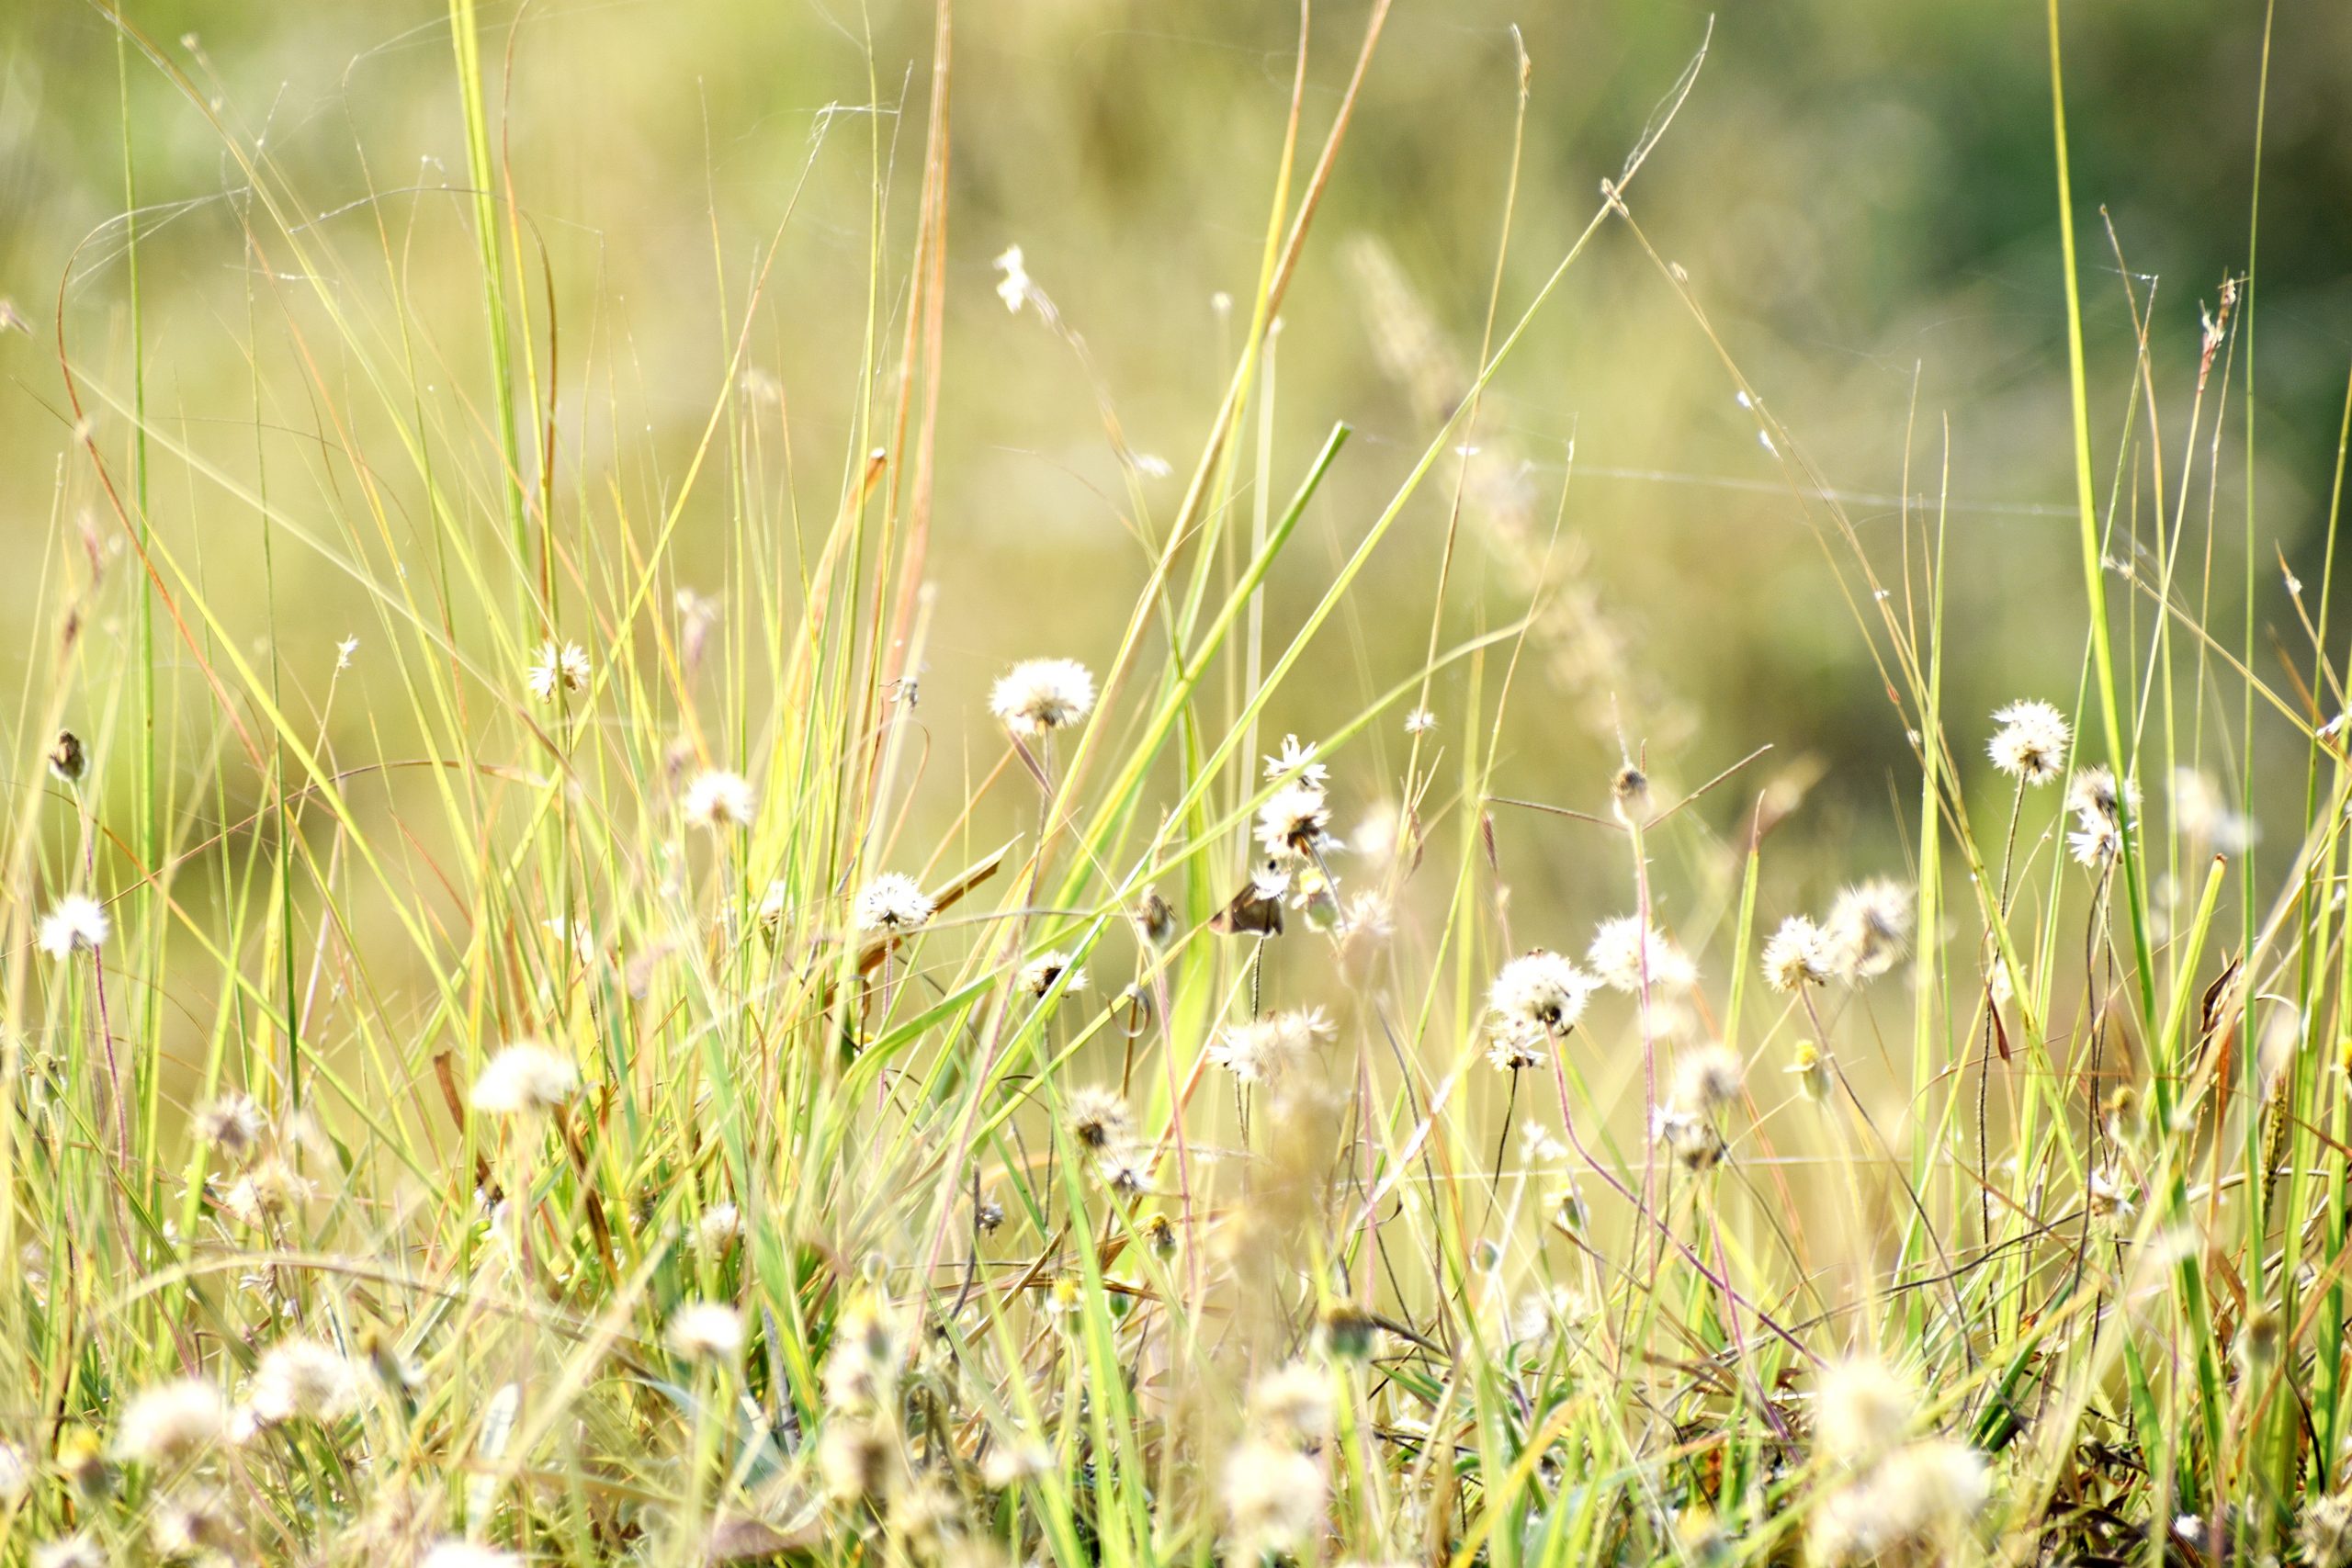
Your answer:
<point x="721" y="1227"/>
<point x="75" y="920"/>
<point x="705" y="1331"/>
<point x="231" y="1125"/>
<point x="17" y="1475"/>
<point x="1097" y="1116"/>
<point x="1041" y="695"/>
<point x="1263" y="1049"/>
<point x="2095" y="843"/>
<point x="69" y="1552"/>
<point x="304" y="1378"/>
<point x="1798" y="954"/>
<point x="1293" y="820"/>
<point x="2031" y="745"/>
<point x="719" y="799"/>
<point x="1014" y="287"/>
<point x="1624" y="954"/>
<point x="1868" y="929"/>
<point x="1295" y="1399"/>
<point x="2092" y="792"/>
<point x="171" y="1421"/>
<point x="892" y="902"/>
<point x="1273" y="1498"/>
<point x="565" y="667"/>
<point x="523" y="1078"/>
<point x="1420" y="721"/>
<point x="1295" y="758"/>
<point x="1863" y="1409"/>
<point x="456" y="1553"/>
<point x="1538" y="994"/>
<point x="1708" y="1077"/>
<point x="344" y="650"/>
<point x="1037" y="976"/>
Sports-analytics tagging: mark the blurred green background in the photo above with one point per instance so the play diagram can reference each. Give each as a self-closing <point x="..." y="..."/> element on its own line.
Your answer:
<point x="1861" y="194"/>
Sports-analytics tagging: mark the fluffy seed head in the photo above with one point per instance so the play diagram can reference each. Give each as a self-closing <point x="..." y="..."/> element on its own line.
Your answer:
<point x="1869" y="928"/>
<point x="718" y="799"/>
<point x="524" y="1078"/>
<point x="231" y="1126"/>
<point x="171" y="1421"/>
<point x="705" y="1331"/>
<point x="1098" y="1116"/>
<point x="721" y="1227"/>
<point x="2031" y="745"/>
<point x="892" y="902"/>
<point x="1041" y="695"/>
<point x="77" y="920"/>
<point x="69" y="1552"/>
<point x="2097" y="842"/>
<point x="1629" y="795"/>
<point x="1296" y="758"/>
<point x="1709" y="1078"/>
<point x="301" y="1378"/>
<point x="1863" y="1409"/>
<point x="2093" y="792"/>
<point x="565" y="668"/>
<point x="1293" y="818"/>
<point x="1037" y="976"/>
<point x="456" y="1553"/>
<point x="1294" y="1399"/>
<point x="1539" y="994"/>
<point x="1624" y="953"/>
<point x="1272" y="1496"/>
<point x="1798" y="954"/>
<point x="1262" y="1050"/>
<point x="2326" y="1530"/>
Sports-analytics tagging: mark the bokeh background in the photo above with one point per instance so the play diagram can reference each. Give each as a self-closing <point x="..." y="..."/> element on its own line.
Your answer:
<point x="1861" y="196"/>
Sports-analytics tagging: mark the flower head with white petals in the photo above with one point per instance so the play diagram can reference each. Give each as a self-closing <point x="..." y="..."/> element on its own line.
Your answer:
<point x="1041" y="695"/>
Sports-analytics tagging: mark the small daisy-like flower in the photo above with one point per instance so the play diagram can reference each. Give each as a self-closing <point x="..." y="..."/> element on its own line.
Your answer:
<point x="1293" y="818"/>
<point x="171" y="1421"/>
<point x="301" y="1378"/>
<point x="555" y="669"/>
<point x="1098" y="1116"/>
<point x="1709" y="1078"/>
<point x="1869" y="928"/>
<point x="705" y="1331"/>
<point x="1624" y="954"/>
<point x="892" y="902"/>
<point x="2031" y="745"/>
<point x="1420" y="721"/>
<point x="1294" y="1399"/>
<point x="1539" y="994"/>
<point x="231" y="1124"/>
<point x="1798" y="954"/>
<point x="524" y="1078"/>
<point x="1295" y="758"/>
<point x="77" y="920"/>
<point x="1037" y="976"/>
<point x="1862" y="1409"/>
<point x="1013" y="287"/>
<point x="1043" y="695"/>
<point x="719" y="799"/>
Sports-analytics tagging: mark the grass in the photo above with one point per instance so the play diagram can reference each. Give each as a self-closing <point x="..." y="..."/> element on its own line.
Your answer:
<point x="551" y="1132"/>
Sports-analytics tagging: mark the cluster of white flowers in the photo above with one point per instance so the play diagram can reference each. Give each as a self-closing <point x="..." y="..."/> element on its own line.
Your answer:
<point x="2098" y="803"/>
<point x="1867" y="932"/>
<point x="1906" y="1499"/>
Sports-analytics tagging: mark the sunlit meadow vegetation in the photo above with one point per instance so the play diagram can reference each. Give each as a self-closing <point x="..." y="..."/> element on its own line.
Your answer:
<point x="552" y="1015"/>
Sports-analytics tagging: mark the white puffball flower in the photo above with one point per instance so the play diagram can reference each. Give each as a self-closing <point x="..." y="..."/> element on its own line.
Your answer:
<point x="2031" y="745"/>
<point x="705" y="1331"/>
<point x="1624" y="954"/>
<point x="719" y="799"/>
<point x="171" y="1420"/>
<point x="523" y="1078"/>
<point x="1041" y="695"/>
<point x="77" y="920"/>
<point x="892" y="902"/>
